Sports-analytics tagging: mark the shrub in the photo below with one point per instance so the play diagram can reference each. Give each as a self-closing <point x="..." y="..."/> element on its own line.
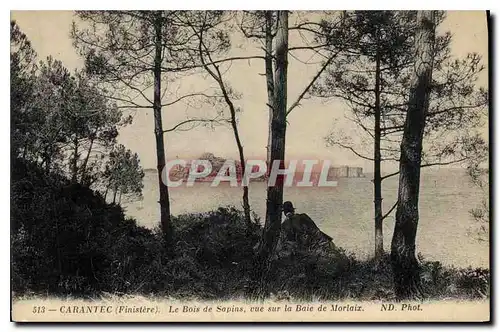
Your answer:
<point x="64" y="235"/>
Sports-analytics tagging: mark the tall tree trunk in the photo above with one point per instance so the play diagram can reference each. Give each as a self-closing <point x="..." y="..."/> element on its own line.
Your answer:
<point x="269" y="79"/>
<point x="234" y="125"/>
<point x="74" y="161"/>
<point x="165" y="220"/>
<point x="46" y="159"/>
<point x="114" y="195"/>
<point x="405" y="264"/>
<point x="218" y="77"/>
<point x="278" y="134"/>
<point x="377" y="177"/>
<point x="246" y="204"/>
<point x="83" y="171"/>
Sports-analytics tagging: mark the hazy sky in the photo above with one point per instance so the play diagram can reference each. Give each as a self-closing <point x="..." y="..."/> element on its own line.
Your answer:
<point x="308" y="124"/>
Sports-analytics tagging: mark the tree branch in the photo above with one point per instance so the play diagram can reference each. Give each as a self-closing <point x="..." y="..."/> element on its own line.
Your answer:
<point x="444" y="163"/>
<point x="318" y="74"/>
<point x="174" y="69"/>
<point x="427" y="165"/>
<point x="353" y="151"/>
<point x="389" y="212"/>
<point x="130" y="102"/>
<point x="215" y="120"/>
<point x="388" y="176"/>
<point x="188" y="96"/>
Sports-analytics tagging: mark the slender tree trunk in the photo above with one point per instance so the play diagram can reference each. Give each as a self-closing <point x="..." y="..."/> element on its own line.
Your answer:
<point x="160" y="147"/>
<point x="377" y="177"/>
<point x="234" y="125"/>
<point x="269" y="79"/>
<point x="405" y="264"/>
<point x="218" y="77"/>
<point x="114" y="195"/>
<point x="85" y="162"/>
<point x="46" y="159"/>
<point x="74" y="161"/>
<point x="278" y="131"/>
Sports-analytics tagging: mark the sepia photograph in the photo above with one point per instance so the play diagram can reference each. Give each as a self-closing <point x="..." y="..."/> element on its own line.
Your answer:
<point x="250" y="166"/>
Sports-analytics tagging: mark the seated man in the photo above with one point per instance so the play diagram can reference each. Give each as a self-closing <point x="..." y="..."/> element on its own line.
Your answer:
<point x="301" y="229"/>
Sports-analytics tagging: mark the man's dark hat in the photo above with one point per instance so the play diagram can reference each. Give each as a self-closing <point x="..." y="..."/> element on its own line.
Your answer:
<point x="288" y="207"/>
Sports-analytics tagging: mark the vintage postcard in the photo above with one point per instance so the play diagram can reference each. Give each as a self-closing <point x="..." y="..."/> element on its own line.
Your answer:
<point x="250" y="166"/>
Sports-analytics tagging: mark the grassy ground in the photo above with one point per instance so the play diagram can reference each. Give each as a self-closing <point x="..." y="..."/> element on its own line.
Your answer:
<point x="214" y="260"/>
